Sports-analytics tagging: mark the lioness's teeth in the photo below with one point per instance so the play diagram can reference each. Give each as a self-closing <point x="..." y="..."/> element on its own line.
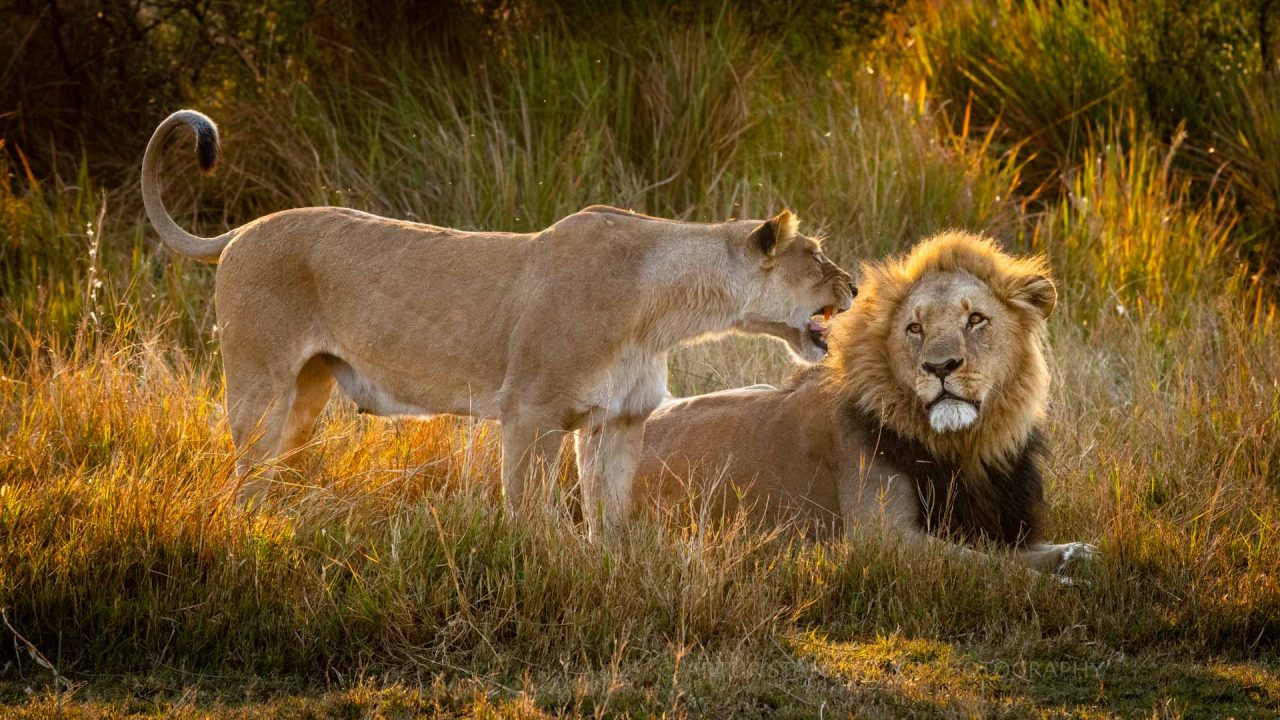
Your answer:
<point x="827" y="312"/>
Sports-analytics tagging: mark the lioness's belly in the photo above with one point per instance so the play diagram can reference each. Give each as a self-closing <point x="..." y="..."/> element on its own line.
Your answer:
<point x="428" y="396"/>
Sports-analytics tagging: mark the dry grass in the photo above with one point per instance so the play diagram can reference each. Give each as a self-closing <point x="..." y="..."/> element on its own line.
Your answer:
<point x="386" y="582"/>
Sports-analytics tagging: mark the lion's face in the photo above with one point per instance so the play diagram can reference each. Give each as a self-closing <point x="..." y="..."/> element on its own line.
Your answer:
<point x="951" y="346"/>
<point x="953" y="340"/>
<point x="798" y="290"/>
<point x="945" y="346"/>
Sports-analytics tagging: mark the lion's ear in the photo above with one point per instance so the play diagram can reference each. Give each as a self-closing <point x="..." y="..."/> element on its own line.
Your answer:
<point x="775" y="233"/>
<point x="1039" y="292"/>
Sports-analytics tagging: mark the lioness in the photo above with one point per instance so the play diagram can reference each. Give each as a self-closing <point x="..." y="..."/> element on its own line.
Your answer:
<point x="925" y="416"/>
<point x="563" y="329"/>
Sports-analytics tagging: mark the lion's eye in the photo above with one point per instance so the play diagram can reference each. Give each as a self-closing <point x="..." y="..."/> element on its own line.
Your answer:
<point x="977" y="319"/>
<point x="915" y="328"/>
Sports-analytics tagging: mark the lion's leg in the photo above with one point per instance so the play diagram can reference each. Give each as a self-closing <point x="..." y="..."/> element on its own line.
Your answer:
<point x="1048" y="558"/>
<point x="529" y="449"/>
<point x="607" y="458"/>
<point x="896" y="507"/>
<point x="1051" y="560"/>
<point x="585" y="444"/>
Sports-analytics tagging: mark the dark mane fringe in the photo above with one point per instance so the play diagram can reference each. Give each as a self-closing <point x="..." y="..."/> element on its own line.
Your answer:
<point x="1005" y="507"/>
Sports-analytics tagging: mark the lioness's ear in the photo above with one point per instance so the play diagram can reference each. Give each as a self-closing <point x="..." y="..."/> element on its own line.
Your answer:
<point x="1038" y="292"/>
<point x="775" y="233"/>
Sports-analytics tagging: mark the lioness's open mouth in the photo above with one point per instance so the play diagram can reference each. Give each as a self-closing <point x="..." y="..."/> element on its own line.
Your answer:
<point x="818" y="329"/>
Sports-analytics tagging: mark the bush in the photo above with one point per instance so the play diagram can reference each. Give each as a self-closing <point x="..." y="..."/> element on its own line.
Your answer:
<point x="86" y="74"/>
<point x="1046" y="76"/>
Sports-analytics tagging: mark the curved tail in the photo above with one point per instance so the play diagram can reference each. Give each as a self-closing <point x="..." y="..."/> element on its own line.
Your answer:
<point x="206" y="249"/>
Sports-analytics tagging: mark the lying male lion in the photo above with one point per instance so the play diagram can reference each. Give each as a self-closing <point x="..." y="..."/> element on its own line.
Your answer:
<point x="924" y="417"/>
<point x="564" y="329"/>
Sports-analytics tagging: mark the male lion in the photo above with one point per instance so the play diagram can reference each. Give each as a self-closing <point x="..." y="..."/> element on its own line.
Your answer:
<point x="925" y="417"/>
<point x="563" y="329"/>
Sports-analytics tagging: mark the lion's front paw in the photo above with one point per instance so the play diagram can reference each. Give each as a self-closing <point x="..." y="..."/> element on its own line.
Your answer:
<point x="1077" y="553"/>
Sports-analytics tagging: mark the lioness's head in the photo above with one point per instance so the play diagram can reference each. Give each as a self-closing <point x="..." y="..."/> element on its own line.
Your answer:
<point x="945" y="345"/>
<point x="796" y="288"/>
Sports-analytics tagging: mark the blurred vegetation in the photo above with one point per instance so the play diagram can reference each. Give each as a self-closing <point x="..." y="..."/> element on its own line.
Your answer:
<point x="1054" y="79"/>
<point x="1137" y="144"/>
<point x="86" y="74"/>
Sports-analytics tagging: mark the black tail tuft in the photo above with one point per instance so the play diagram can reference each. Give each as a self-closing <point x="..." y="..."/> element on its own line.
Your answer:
<point x="206" y="144"/>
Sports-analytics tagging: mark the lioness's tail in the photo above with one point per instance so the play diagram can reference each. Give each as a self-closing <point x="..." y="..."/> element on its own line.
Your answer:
<point x="206" y="249"/>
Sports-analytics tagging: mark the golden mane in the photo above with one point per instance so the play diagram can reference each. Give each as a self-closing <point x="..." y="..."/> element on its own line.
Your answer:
<point x="858" y="370"/>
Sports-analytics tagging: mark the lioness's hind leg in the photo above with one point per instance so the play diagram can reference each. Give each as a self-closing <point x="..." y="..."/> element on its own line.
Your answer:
<point x="273" y="420"/>
<point x="258" y="417"/>
<point x="272" y="402"/>
<point x="311" y="394"/>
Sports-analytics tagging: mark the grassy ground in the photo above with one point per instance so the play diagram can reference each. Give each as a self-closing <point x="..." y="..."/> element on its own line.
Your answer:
<point x="387" y="583"/>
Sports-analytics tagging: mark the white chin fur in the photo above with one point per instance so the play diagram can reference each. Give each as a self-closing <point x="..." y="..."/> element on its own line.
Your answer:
<point x="950" y="415"/>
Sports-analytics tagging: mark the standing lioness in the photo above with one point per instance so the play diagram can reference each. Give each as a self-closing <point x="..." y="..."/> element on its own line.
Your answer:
<point x="563" y="329"/>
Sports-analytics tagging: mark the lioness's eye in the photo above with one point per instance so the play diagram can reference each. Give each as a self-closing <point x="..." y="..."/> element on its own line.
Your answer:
<point x="977" y="319"/>
<point x="914" y="328"/>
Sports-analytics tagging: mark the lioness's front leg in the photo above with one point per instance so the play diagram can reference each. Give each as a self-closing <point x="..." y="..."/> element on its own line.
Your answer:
<point x="529" y="448"/>
<point x="607" y="457"/>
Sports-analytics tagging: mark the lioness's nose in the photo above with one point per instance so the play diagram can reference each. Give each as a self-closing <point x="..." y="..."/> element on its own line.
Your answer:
<point x="853" y="289"/>
<point x="942" y="369"/>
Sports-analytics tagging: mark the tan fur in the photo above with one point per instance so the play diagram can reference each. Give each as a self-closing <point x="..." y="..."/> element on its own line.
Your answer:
<point x="565" y="329"/>
<point x="806" y="451"/>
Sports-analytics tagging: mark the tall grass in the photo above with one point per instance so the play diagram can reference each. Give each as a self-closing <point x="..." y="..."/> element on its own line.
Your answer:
<point x="1130" y="233"/>
<point x="388" y="550"/>
<point x="700" y="123"/>
<point x="1045" y="75"/>
<point x="1247" y="139"/>
<point x="1057" y="80"/>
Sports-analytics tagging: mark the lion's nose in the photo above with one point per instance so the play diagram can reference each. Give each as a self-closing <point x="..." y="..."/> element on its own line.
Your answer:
<point x="944" y="368"/>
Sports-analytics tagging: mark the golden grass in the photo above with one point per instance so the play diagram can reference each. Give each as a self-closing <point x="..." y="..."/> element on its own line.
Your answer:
<point x="389" y="550"/>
